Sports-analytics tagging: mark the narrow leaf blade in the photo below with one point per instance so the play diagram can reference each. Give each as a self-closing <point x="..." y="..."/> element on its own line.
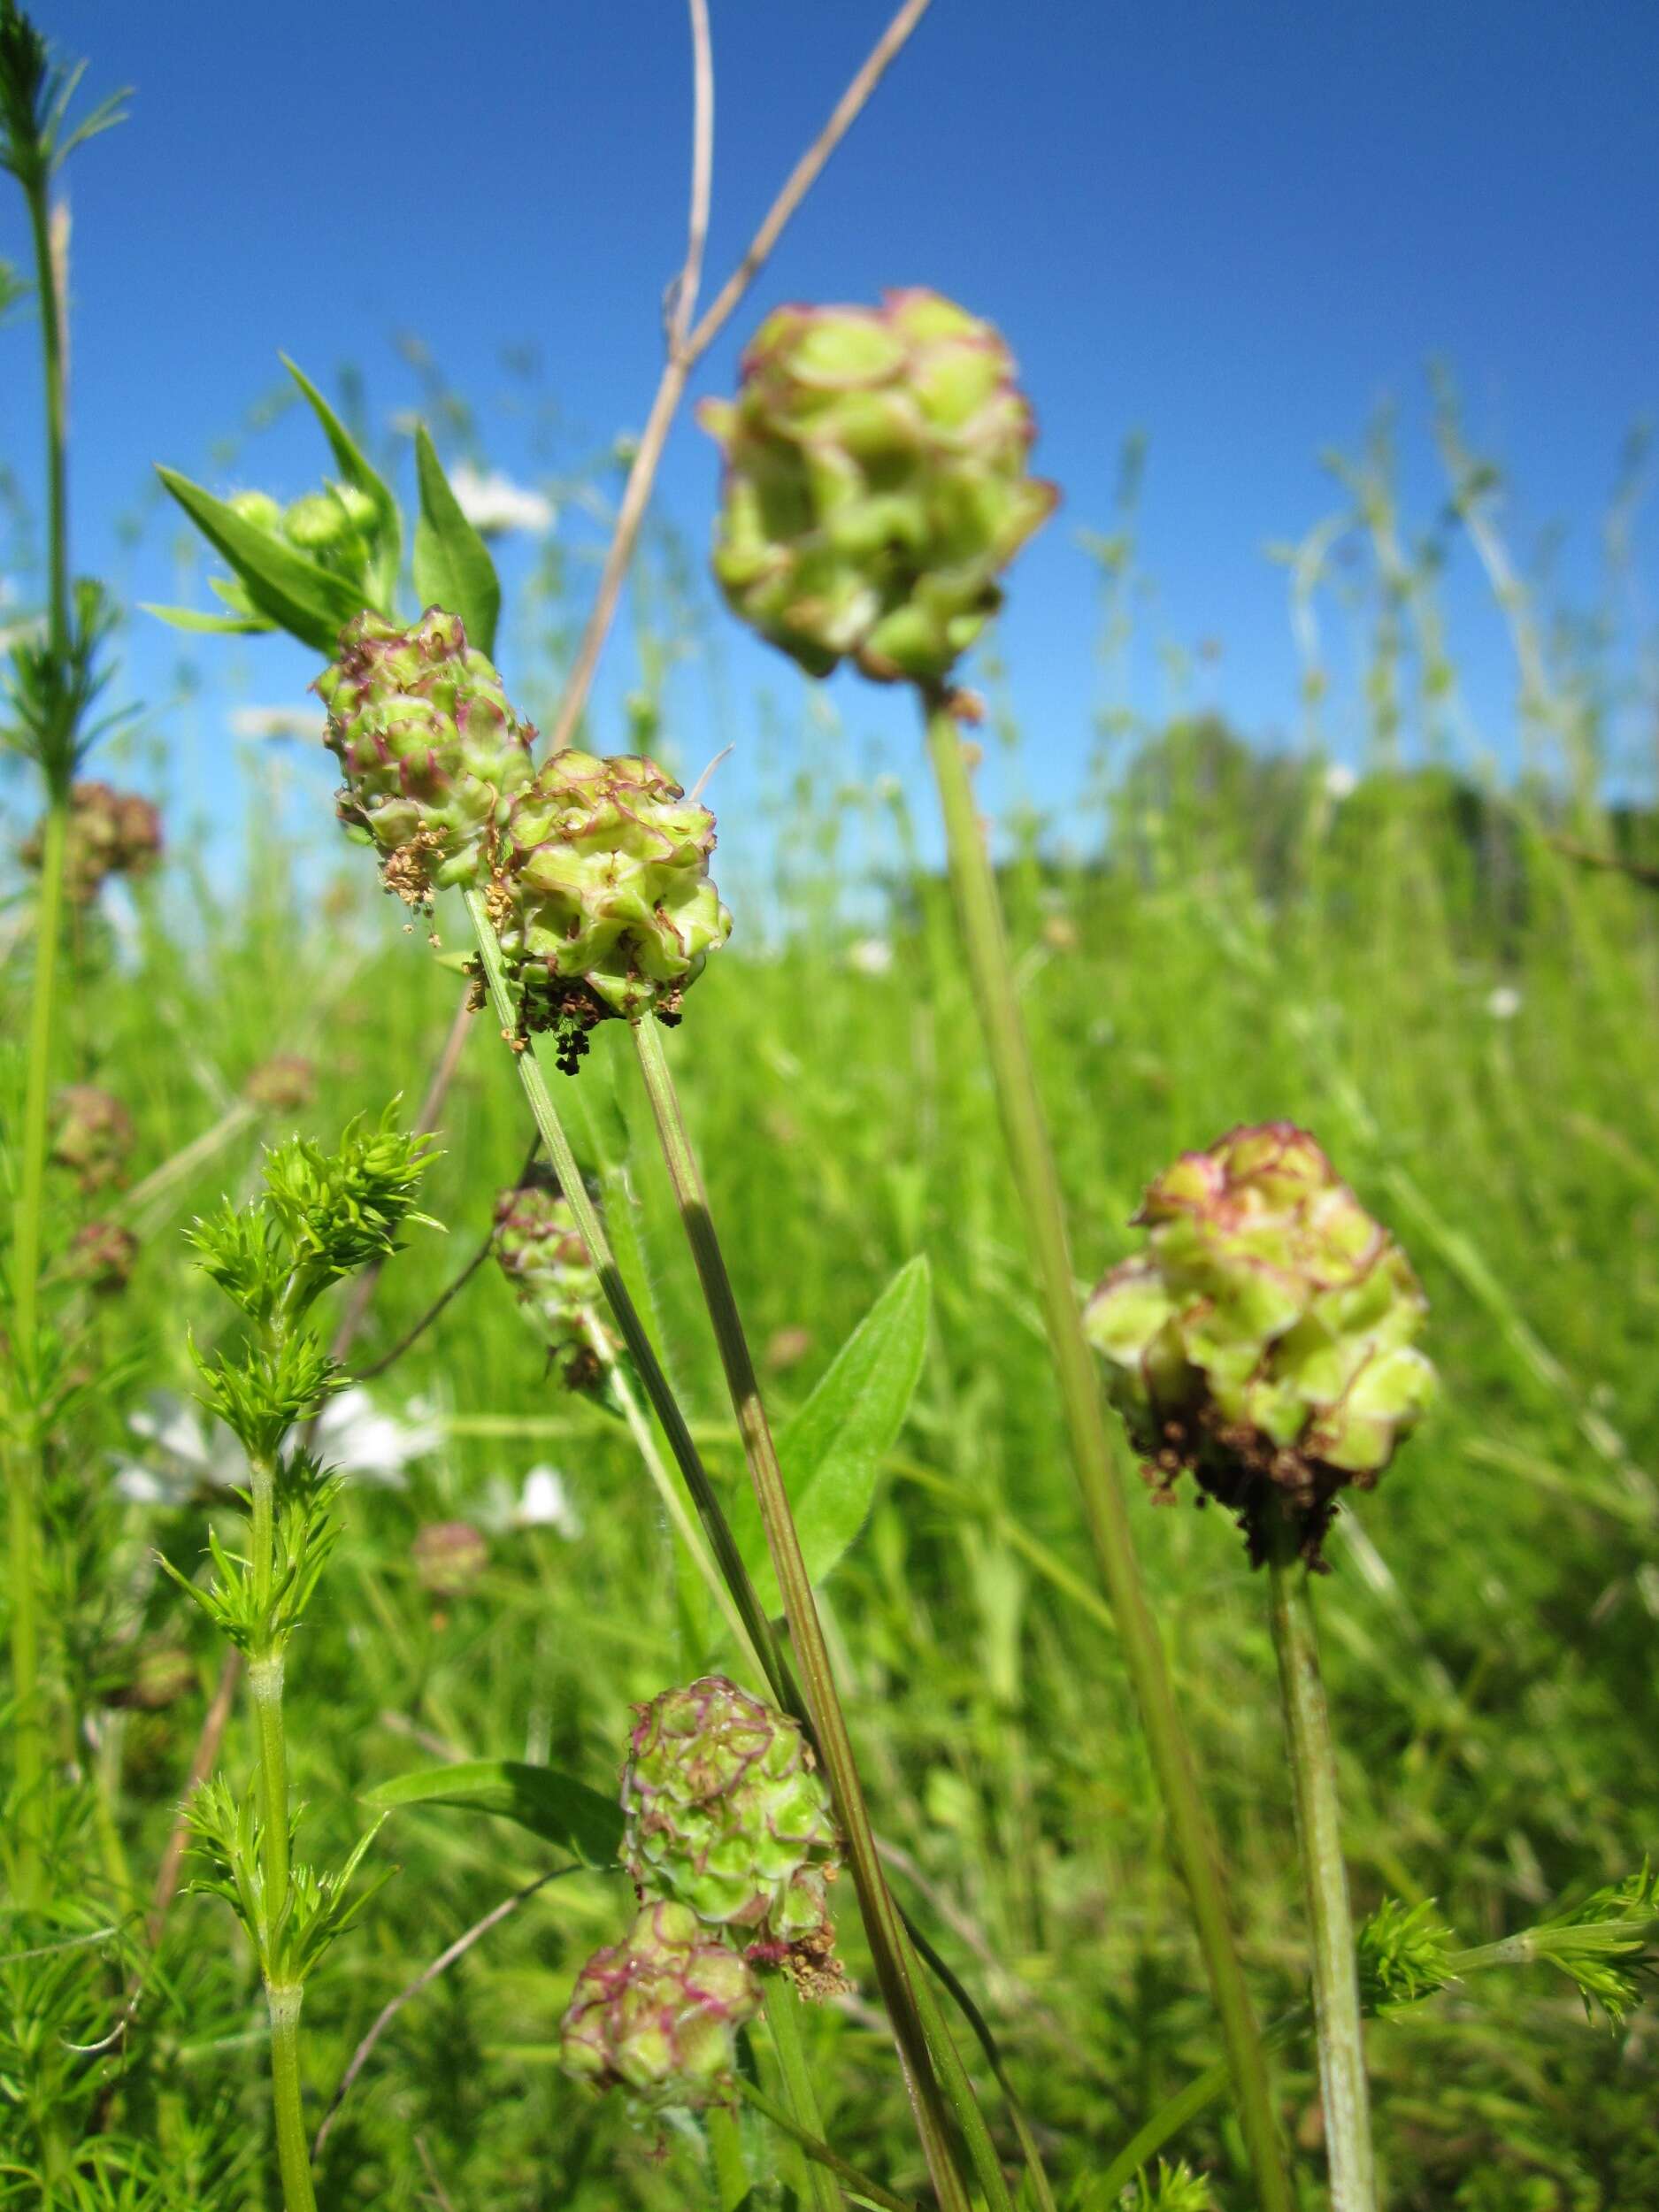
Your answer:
<point x="356" y="467"/>
<point x="195" y="619"/>
<point x="307" y="601"/>
<point x="832" y="1452"/>
<point x="453" y="568"/>
<point x="549" y="1804"/>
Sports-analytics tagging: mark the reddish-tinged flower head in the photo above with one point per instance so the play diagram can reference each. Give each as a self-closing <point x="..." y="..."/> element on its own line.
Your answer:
<point x="1266" y="1336"/>
<point x="657" y="2014"/>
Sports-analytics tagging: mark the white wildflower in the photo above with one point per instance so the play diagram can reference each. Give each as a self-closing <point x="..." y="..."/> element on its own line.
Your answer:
<point x="277" y="722"/>
<point x="495" y="506"/>
<point x="545" y="1502"/>
<point x="1504" y="1003"/>
<point x="1341" y="782"/>
<point x="355" y="1436"/>
<point x="871" y="956"/>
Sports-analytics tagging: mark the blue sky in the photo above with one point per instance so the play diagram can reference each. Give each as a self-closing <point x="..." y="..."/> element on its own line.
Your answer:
<point x="1236" y="229"/>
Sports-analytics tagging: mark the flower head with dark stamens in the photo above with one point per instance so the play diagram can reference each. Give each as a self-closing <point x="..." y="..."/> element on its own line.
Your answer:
<point x="92" y="1136"/>
<point x="876" y="483"/>
<point x="431" y="749"/>
<point x="725" y="1811"/>
<point x="602" y="899"/>
<point x="1266" y="1336"/>
<point x="657" y="2014"/>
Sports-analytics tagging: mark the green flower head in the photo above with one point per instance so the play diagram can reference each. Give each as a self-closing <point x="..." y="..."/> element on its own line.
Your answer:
<point x="539" y="1249"/>
<point x="725" y="1812"/>
<point x="431" y="749"/>
<point x="602" y="899"/>
<point x="1266" y="1336"/>
<point x="876" y="484"/>
<point x="657" y="2014"/>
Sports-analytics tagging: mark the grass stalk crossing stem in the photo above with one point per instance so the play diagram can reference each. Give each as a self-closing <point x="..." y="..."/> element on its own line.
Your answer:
<point x="882" y="1926"/>
<point x="1032" y="1158"/>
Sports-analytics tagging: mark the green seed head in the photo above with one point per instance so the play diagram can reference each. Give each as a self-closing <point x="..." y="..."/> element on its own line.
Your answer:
<point x="540" y="1250"/>
<point x="1266" y="1336"/>
<point x="602" y="899"/>
<point x="92" y="1136"/>
<point x="725" y="1812"/>
<point x="431" y="749"/>
<point x="657" y="2014"/>
<point x="876" y="484"/>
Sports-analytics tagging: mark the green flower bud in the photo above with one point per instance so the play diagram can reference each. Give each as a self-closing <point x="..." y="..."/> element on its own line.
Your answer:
<point x="110" y="832"/>
<point x="431" y="749"/>
<point x="316" y="523"/>
<point x="540" y="1250"/>
<point x="725" y="1811"/>
<point x="450" y="1556"/>
<point x="875" y="484"/>
<point x="601" y="900"/>
<point x="283" y="1084"/>
<point x="657" y="2014"/>
<point x="1265" y="1339"/>
<point x="259" y="509"/>
<point x="102" y="1254"/>
<point x="92" y="1136"/>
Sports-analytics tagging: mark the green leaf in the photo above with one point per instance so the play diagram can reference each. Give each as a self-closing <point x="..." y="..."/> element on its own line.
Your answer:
<point x="549" y="1804"/>
<point x="832" y="1452"/>
<point x="310" y="602"/>
<point x="193" y="618"/>
<point x="357" y="469"/>
<point x="453" y="569"/>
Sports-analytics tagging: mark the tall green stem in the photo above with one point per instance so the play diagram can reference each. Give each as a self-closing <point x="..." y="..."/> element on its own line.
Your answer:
<point x="645" y="1443"/>
<point x="783" y="2017"/>
<point x="293" y="2157"/>
<point x="1336" y="2006"/>
<point x="882" y="1927"/>
<point x="57" y="759"/>
<point x="56" y="410"/>
<point x="573" y="1184"/>
<point x="264" y="1683"/>
<point x="1105" y="1508"/>
<point x="28" y="1458"/>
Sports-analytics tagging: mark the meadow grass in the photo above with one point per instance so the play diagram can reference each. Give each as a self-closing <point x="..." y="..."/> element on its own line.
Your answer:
<point x="1488" y="1628"/>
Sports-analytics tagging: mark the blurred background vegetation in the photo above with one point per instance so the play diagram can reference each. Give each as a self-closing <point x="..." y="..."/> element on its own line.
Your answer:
<point x="1453" y="978"/>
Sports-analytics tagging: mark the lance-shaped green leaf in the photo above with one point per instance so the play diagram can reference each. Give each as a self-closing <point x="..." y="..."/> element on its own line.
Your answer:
<point x="356" y="467"/>
<point x="453" y="569"/>
<point x="831" y="1451"/>
<point x="308" y="601"/>
<point x="552" y="1805"/>
<point x="221" y="624"/>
